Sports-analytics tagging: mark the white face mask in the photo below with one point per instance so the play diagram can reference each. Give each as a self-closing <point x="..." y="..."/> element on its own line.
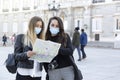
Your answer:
<point x="37" y="30"/>
<point x="53" y="30"/>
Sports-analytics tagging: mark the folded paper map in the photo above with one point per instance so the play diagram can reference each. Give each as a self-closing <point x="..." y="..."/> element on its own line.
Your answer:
<point x="45" y="50"/>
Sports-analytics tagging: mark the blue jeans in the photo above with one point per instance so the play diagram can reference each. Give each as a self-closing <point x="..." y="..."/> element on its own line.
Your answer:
<point x="78" y="49"/>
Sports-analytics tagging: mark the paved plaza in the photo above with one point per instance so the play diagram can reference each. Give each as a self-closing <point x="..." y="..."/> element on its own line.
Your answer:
<point x="100" y="64"/>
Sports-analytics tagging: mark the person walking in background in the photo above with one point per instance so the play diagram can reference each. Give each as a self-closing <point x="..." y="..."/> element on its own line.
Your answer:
<point x="4" y="39"/>
<point x="76" y="41"/>
<point x="83" y="42"/>
<point x="13" y="38"/>
<point x="28" y="69"/>
<point x="61" y="67"/>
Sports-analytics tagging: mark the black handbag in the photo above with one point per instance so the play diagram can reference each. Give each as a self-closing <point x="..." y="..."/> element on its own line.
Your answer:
<point x="77" y="72"/>
<point x="11" y="64"/>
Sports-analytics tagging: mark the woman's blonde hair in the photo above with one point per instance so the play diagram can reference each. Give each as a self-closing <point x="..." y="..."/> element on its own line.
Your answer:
<point x="31" y="36"/>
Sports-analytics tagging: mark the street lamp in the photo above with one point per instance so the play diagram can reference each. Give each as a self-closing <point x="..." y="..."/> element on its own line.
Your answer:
<point x="54" y="7"/>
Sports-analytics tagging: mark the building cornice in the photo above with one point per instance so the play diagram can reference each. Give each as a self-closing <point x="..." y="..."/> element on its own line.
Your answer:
<point x="116" y="14"/>
<point x="67" y="4"/>
<point x="97" y="16"/>
<point x="106" y="3"/>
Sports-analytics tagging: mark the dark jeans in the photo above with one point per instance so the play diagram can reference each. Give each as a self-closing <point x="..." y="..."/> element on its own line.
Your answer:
<point x="20" y="77"/>
<point x="83" y="52"/>
<point x="4" y="43"/>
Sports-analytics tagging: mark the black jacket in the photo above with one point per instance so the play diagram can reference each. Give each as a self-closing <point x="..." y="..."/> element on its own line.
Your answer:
<point x="4" y="39"/>
<point x="64" y="57"/>
<point x="20" y="53"/>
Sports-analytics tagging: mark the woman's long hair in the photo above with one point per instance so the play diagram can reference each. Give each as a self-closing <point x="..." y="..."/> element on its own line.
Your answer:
<point x="31" y="36"/>
<point x="62" y="37"/>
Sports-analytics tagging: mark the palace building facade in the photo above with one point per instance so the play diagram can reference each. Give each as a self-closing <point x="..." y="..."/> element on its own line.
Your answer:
<point x="97" y="17"/>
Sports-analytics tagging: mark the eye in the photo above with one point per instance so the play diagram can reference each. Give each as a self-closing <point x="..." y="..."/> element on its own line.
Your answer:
<point x="57" y="26"/>
<point x="52" y="24"/>
<point x="40" y="26"/>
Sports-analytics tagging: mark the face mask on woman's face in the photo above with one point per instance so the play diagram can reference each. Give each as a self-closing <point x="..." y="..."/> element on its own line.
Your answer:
<point x="37" y="30"/>
<point x="54" y="30"/>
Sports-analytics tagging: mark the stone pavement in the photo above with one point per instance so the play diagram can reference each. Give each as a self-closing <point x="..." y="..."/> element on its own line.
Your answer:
<point x="100" y="64"/>
<point x="102" y="44"/>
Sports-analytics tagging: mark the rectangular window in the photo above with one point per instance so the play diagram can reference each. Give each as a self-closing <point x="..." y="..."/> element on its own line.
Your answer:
<point x="98" y="1"/>
<point x="36" y="4"/>
<point x="117" y="9"/>
<point x="118" y="24"/>
<point x="78" y="23"/>
<point x="6" y="5"/>
<point x="65" y="24"/>
<point x="27" y="4"/>
<point x="15" y="5"/>
<point x="25" y="27"/>
<point x="5" y="27"/>
<point x="96" y="24"/>
<point x="15" y="27"/>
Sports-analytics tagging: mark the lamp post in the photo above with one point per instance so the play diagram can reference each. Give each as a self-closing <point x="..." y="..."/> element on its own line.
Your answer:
<point x="54" y="7"/>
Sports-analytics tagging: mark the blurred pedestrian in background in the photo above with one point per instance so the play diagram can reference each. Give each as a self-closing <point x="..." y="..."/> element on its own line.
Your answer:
<point x="83" y="42"/>
<point x="4" y="39"/>
<point x="13" y="38"/>
<point x="76" y="42"/>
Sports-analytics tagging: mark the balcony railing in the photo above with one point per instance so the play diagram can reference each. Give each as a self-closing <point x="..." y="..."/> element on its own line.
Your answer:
<point x="98" y="1"/>
<point x="35" y="7"/>
<point x="15" y="9"/>
<point x="5" y="10"/>
<point x="26" y="8"/>
<point x="116" y="0"/>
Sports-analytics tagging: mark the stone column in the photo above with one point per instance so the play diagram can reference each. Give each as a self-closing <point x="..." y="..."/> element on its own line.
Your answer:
<point x="1" y="5"/>
<point x="87" y="23"/>
<point x="70" y="21"/>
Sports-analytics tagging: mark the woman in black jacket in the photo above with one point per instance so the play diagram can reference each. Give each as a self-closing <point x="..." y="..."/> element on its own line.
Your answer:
<point x="28" y="69"/>
<point x="61" y="67"/>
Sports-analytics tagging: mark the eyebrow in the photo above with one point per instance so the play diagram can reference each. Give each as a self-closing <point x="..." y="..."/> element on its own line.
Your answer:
<point x="53" y="24"/>
<point x="38" y="25"/>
